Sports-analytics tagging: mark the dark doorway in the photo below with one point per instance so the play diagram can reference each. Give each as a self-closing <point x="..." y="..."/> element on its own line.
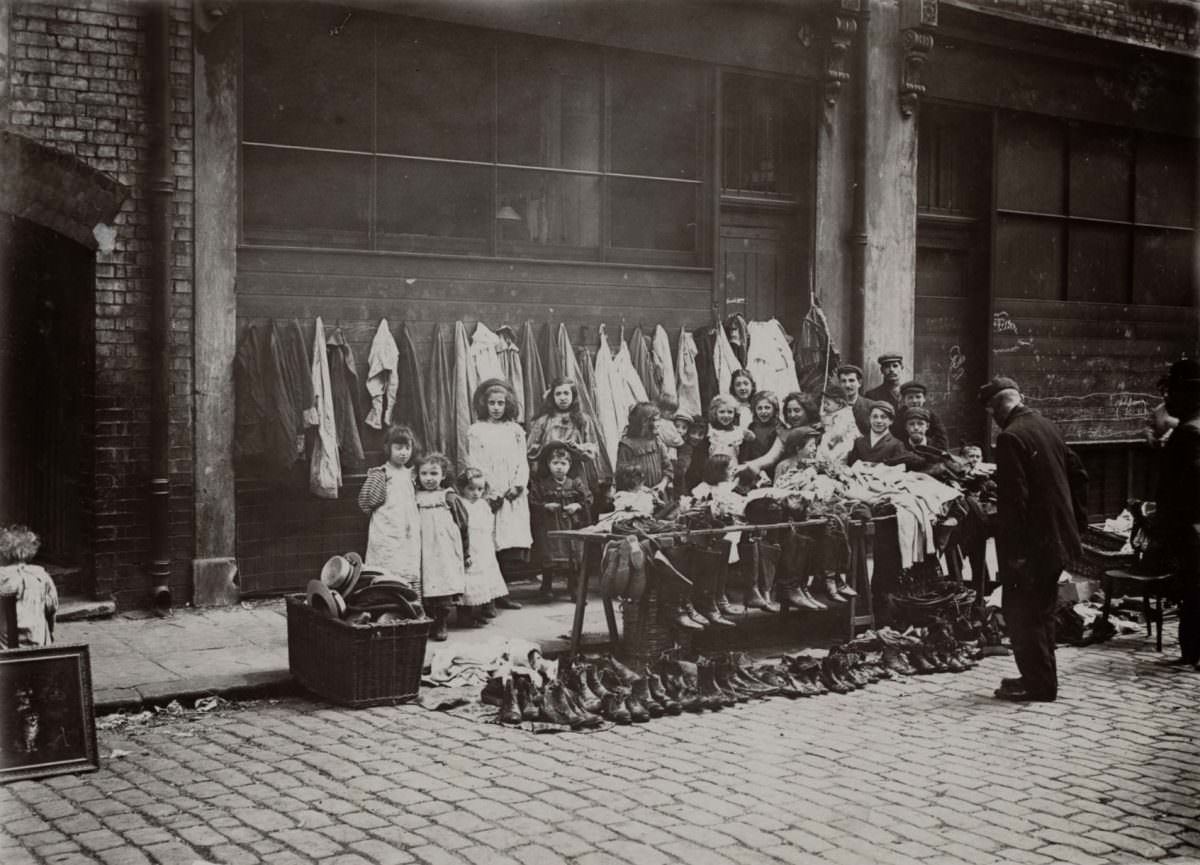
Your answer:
<point x="46" y="373"/>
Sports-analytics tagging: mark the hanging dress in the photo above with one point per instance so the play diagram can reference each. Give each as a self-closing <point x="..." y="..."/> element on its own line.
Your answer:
<point x="688" y="377"/>
<point x="439" y="397"/>
<point x="325" y="468"/>
<point x="660" y="359"/>
<point x="531" y="364"/>
<point x="394" y="539"/>
<point x="509" y="354"/>
<point x="465" y="382"/>
<point x="443" y="572"/>
<point x="484" y="582"/>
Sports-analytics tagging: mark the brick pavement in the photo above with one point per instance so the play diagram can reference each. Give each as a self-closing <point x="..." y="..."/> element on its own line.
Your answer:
<point x="927" y="769"/>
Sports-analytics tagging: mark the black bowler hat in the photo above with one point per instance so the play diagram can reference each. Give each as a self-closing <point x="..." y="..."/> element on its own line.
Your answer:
<point x="995" y="386"/>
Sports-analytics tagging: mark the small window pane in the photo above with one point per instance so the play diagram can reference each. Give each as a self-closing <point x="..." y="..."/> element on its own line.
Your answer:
<point x="306" y="199"/>
<point x="433" y="207"/>
<point x="1100" y="164"/>
<point x="1164" y="267"/>
<point x="1099" y="263"/>
<point x="657" y="114"/>
<point x="1166" y="181"/>
<point x="1030" y="252"/>
<point x="435" y="90"/>
<point x="549" y="106"/>
<point x="308" y="76"/>
<point x="548" y="215"/>
<point x="657" y="215"/>
<point x="1029" y="165"/>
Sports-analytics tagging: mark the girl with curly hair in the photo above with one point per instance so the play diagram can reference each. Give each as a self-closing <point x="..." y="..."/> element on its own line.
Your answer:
<point x="642" y="446"/>
<point x="496" y="445"/>
<point x="562" y="419"/>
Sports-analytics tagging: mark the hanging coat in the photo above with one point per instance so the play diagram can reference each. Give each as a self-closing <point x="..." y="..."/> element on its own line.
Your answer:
<point x="660" y="358"/>
<point x="439" y="397"/>
<point x="688" y="379"/>
<point x="639" y="356"/>
<point x="603" y="466"/>
<point x="485" y="353"/>
<point x="325" y="469"/>
<point x="290" y="386"/>
<point x="725" y="361"/>
<point x="253" y="407"/>
<point x="343" y="375"/>
<point x="510" y="364"/>
<point x="410" y="393"/>
<point x="629" y="377"/>
<point x="553" y="366"/>
<point x="535" y="378"/>
<point x="618" y="388"/>
<point x="739" y="337"/>
<point x="297" y="375"/>
<point x="381" y="376"/>
<point x="769" y="358"/>
<point x="465" y="383"/>
<point x="706" y="370"/>
<point x="569" y="366"/>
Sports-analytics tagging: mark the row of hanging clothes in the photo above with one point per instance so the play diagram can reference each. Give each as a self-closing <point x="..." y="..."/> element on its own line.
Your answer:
<point x="299" y="403"/>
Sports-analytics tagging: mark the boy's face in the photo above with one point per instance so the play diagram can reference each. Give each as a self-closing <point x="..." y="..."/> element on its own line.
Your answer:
<point x="850" y="383"/>
<point x="973" y="456"/>
<point x="430" y="476"/>
<point x="399" y="453"/>
<point x="891" y="371"/>
<point x="808" y="451"/>
<point x="682" y="427"/>
<point x="879" y="421"/>
<point x="764" y="411"/>
<point x="914" y="399"/>
<point x="696" y="433"/>
<point x="475" y="489"/>
<point x="559" y="465"/>
<point x="742" y="388"/>
<point x="918" y="431"/>
<point x="725" y="416"/>
<point x="495" y="405"/>
<point x="563" y="397"/>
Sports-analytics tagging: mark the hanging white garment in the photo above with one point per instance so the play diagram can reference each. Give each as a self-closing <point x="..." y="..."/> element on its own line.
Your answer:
<point x="634" y="389"/>
<point x="725" y="362"/>
<point x="465" y="382"/>
<point x="382" y="380"/>
<point x="485" y="353"/>
<point x="660" y="358"/>
<point x="611" y="410"/>
<point x="688" y="378"/>
<point x="769" y="358"/>
<point x="509" y="354"/>
<point x="325" y="469"/>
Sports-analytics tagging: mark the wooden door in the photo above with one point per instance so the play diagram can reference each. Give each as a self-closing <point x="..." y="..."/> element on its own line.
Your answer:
<point x="757" y="266"/>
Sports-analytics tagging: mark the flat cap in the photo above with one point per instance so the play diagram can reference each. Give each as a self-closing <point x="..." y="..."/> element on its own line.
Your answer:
<point x="850" y="368"/>
<point x="912" y="386"/>
<point x="890" y="357"/>
<point x="995" y="386"/>
<point x="884" y="406"/>
<point x="916" y="414"/>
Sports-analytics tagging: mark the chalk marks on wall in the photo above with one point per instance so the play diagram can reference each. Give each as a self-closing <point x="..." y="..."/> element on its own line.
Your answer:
<point x="1003" y="325"/>
<point x="956" y="368"/>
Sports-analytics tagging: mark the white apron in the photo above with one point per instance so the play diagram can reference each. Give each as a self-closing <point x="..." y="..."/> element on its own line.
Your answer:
<point x="484" y="582"/>
<point x="394" y="539"/>
<point x="441" y="547"/>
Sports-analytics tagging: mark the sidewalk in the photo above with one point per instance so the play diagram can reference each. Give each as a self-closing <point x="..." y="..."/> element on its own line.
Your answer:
<point x="138" y="657"/>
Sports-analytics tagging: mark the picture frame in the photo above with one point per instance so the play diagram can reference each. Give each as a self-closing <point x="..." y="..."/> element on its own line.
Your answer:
<point x="47" y="717"/>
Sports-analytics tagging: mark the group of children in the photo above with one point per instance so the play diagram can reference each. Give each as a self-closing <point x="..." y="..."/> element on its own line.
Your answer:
<point x="514" y="489"/>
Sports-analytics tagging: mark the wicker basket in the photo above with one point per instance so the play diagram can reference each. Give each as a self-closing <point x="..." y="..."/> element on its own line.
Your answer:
<point x="911" y="611"/>
<point x="1101" y="552"/>
<point x="355" y="666"/>
<point x="646" y="632"/>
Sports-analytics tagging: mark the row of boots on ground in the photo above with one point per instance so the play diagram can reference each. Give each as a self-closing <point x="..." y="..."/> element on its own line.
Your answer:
<point x="801" y="572"/>
<point x="584" y="692"/>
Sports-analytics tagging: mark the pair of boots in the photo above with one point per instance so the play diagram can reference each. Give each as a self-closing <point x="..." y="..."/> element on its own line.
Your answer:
<point x="799" y="591"/>
<point x="707" y="570"/>
<point x="761" y="560"/>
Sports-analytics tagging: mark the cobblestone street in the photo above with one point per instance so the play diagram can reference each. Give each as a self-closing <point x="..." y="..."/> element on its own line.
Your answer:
<point x="924" y="769"/>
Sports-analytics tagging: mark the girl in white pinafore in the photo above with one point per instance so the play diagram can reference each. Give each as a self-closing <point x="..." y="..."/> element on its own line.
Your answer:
<point x="484" y="582"/>
<point x="389" y="495"/>
<point x="496" y="446"/>
<point x="445" y="547"/>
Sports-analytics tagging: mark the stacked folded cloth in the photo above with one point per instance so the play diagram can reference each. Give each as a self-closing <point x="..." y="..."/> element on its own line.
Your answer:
<point x="360" y="595"/>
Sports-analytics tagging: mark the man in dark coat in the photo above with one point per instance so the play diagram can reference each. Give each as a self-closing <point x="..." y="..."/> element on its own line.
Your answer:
<point x="878" y="445"/>
<point x="850" y="377"/>
<point x="913" y="395"/>
<point x="1177" y="506"/>
<point x="1042" y="489"/>
<point x="891" y="367"/>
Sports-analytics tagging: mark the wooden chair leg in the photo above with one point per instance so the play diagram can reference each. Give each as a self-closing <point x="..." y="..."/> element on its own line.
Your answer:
<point x="1148" y="612"/>
<point x="1158" y="621"/>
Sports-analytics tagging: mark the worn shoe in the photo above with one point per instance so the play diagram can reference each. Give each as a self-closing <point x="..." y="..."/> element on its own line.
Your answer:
<point x="613" y="709"/>
<point x="488" y="610"/>
<point x="831" y="591"/>
<point x="1023" y="696"/>
<point x="504" y="602"/>
<point x="510" y="712"/>
<point x="658" y="691"/>
<point x="843" y="587"/>
<point x="637" y="710"/>
<point x="755" y="600"/>
<point x="641" y="691"/>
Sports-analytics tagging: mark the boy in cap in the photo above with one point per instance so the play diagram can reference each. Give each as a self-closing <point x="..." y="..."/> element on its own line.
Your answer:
<point x="850" y="377"/>
<point x="878" y="445"/>
<point x="913" y="394"/>
<point x="891" y="367"/>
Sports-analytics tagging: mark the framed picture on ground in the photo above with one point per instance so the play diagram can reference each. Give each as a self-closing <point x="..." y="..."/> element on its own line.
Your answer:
<point x="47" y="721"/>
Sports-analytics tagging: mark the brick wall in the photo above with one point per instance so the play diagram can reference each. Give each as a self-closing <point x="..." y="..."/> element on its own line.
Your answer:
<point x="77" y="85"/>
<point x="1167" y="24"/>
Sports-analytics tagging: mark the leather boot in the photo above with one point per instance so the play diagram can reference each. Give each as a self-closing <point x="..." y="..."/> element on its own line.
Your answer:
<point x="810" y="590"/>
<point x="625" y="675"/>
<point x="843" y="587"/>
<point x="510" y="712"/>
<point x="768" y="565"/>
<point x="721" y="676"/>
<point x="439" y="633"/>
<point x="678" y="687"/>
<point x="709" y="686"/>
<point x="593" y="681"/>
<point x="587" y="720"/>
<point x="659" y="692"/>
<point x="748" y="553"/>
<point x="488" y="610"/>
<point x="692" y="676"/>
<point x="553" y="711"/>
<point x="797" y="596"/>
<point x="613" y="684"/>
<point x="637" y="710"/>
<point x="727" y="607"/>
<point x="613" y="709"/>
<point x="672" y="589"/>
<point x="577" y="684"/>
<point x="831" y="592"/>
<point x="641" y="691"/>
<point x="531" y="707"/>
<point x="704" y="577"/>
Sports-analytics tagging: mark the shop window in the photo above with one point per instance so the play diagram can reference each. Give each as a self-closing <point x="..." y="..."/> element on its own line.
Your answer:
<point x="305" y="84"/>
<point x="433" y="206"/>
<point x="306" y="198"/>
<point x="1030" y="254"/>
<point x="652" y="215"/>
<point x="760" y="129"/>
<point x="657" y="117"/>
<point x="549" y="215"/>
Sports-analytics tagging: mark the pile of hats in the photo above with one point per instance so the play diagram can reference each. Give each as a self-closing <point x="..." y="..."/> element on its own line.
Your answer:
<point x="360" y="595"/>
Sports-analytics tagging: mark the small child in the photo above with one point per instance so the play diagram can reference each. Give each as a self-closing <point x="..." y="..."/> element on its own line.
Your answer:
<point x="558" y="500"/>
<point x="641" y="445"/>
<point x="695" y="434"/>
<point x="841" y="429"/>
<point x="725" y="436"/>
<point x="718" y="489"/>
<point x="484" y="583"/>
<point x="666" y="426"/>
<point x="742" y="388"/>
<point x="632" y="495"/>
<point x="389" y="495"/>
<point x="37" y="597"/>
<point x="496" y="446"/>
<point x="445" y="541"/>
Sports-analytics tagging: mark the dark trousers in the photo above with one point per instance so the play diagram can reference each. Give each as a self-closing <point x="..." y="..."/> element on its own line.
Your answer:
<point x="1029" y="601"/>
<point x="1189" y="617"/>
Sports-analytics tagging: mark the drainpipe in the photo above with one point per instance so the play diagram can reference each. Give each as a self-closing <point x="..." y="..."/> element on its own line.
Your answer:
<point x="858" y="231"/>
<point x="161" y="189"/>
